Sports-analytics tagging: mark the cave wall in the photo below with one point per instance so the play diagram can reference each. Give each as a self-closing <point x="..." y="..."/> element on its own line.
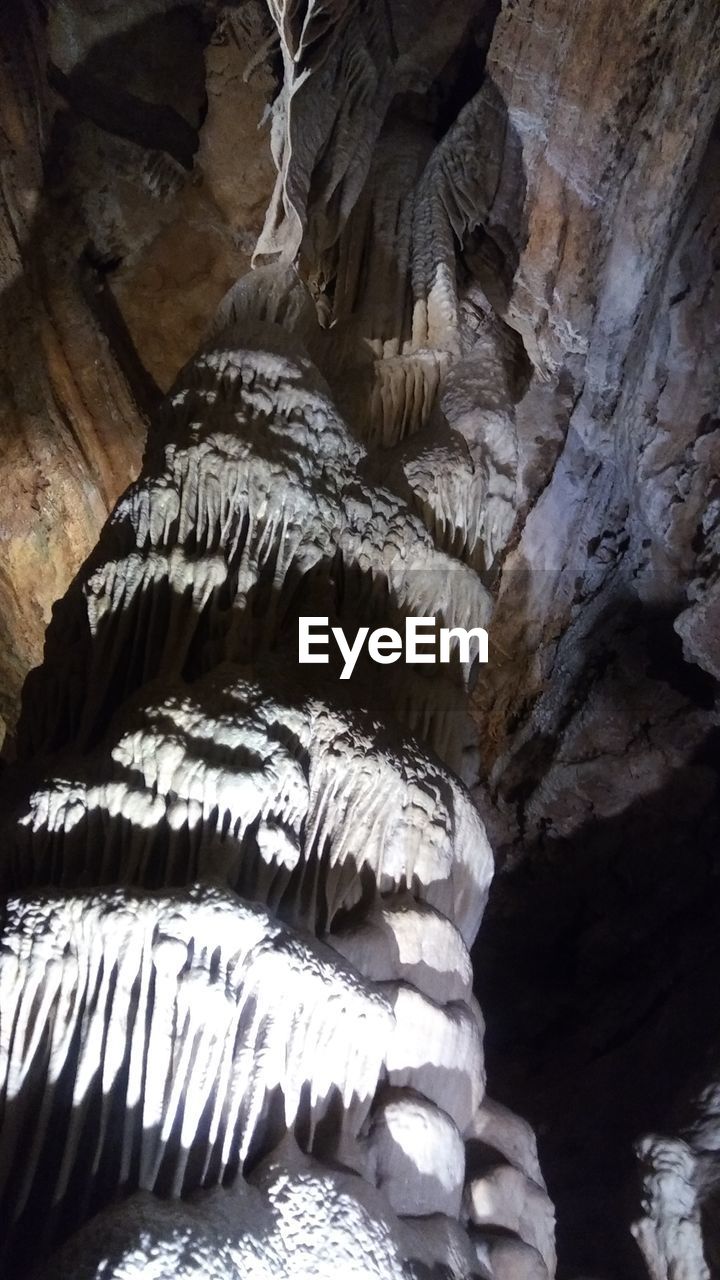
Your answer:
<point x="123" y="226"/>
<point x="600" y="709"/>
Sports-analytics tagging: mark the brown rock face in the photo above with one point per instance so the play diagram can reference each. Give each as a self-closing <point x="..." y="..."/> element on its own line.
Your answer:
<point x="70" y="429"/>
<point x="122" y="228"/>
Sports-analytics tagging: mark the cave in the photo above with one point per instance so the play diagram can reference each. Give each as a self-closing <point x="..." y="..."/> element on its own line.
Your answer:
<point x="328" y="952"/>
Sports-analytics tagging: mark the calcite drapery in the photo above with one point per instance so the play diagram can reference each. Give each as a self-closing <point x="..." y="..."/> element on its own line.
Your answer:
<point x="145" y="1038"/>
<point x="234" y="953"/>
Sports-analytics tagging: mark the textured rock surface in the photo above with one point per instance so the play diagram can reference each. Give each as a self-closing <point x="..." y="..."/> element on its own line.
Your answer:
<point x="169" y="1041"/>
<point x="121" y="231"/>
<point x="600" y="709"/>
<point x="201" y="838"/>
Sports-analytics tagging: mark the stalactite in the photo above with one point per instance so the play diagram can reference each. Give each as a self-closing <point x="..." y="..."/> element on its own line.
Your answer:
<point x="234" y="961"/>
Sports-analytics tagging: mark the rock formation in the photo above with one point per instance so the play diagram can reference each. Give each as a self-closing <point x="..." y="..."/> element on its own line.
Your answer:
<point x="471" y="375"/>
<point x="240" y="898"/>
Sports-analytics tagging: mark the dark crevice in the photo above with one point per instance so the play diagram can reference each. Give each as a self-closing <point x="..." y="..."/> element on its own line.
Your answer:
<point x="101" y="301"/>
<point x="148" y="124"/>
<point x="464" y="73"/>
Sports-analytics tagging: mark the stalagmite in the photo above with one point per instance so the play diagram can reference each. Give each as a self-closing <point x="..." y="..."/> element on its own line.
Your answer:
<point x="238" y="1031"/>
<point x="669" y="1233"/>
